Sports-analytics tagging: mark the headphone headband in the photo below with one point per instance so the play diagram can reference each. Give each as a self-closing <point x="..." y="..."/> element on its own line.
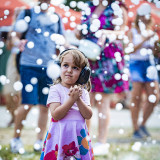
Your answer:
<point x="72" y="49"/>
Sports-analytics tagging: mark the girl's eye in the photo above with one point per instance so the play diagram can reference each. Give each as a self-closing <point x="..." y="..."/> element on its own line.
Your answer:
<point x="65" y="65"/>
<point x="76" y="68"/>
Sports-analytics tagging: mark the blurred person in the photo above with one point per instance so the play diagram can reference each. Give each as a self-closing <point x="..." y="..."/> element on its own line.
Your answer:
<point x="103" y="22"/>
<point x="12" y="94"/>
<point x="156" y="52"/>
<point x="37" y="50"/>
<point x="142" y="70"/>
<point x="5" y="47"/>
<point x="69" y="104"/>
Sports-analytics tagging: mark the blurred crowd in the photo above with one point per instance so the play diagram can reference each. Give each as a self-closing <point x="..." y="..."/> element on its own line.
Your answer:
<point x="124" y="59"/>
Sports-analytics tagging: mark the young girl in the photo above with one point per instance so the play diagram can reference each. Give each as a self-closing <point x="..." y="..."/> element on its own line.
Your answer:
<point x="69" y="104"/>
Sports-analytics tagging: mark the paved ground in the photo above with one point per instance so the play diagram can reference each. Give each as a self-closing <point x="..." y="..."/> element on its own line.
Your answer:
<point x="118" y="118"/>
<point x="120" y="127"/>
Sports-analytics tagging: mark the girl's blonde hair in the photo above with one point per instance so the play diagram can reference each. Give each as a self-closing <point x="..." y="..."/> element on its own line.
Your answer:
<point x="148" y="25"/>
<point x="79" y="60"/>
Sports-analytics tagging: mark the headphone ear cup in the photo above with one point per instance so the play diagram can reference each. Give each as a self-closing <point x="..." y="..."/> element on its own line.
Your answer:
<point x="84" y="76"/>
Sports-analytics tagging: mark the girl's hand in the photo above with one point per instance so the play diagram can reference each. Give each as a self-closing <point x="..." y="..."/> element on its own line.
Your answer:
<point x="74" y="92"/>
<point x="80" y="91"/>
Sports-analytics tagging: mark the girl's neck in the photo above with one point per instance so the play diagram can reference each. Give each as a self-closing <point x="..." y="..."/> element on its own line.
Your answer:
<point x="66" y="85"/>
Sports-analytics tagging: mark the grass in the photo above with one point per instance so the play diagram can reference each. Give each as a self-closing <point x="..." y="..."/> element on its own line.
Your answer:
<point x="116" y="152"/>
<point x="5" y="154"/>
<point x="121" y="146"/>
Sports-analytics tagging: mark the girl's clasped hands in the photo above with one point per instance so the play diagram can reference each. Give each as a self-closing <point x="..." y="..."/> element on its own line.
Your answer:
<point x="75" y="92"/>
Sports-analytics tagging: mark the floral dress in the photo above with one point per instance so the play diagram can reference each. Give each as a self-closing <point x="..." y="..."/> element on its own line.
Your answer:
<point x="107" y="72"/>
<point x="68" y="138"/>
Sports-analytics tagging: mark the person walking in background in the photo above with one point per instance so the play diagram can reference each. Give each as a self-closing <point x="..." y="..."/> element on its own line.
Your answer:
<point x="12" y="94"/>
<point x="69" y="104"/>
<point x="156" y="52"/>
<point x="142" y="70"/>
<point x="37" y="49"/>
<point x="104" y="23"/>
<point x="5" y="48"/>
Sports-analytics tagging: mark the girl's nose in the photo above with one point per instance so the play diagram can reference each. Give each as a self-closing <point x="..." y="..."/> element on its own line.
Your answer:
<point x="69" y="69"/>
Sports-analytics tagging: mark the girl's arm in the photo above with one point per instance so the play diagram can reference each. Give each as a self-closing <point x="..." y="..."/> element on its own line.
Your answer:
<point x="59" y="111"/>
<point x="84" y="109"/>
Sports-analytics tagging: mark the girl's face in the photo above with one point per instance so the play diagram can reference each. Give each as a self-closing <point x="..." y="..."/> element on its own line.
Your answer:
<point x="69" y="71"/>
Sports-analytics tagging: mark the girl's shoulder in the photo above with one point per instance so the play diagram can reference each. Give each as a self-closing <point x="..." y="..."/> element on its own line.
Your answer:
<point x="58" y="87"/>
<point x="55" y="86"/>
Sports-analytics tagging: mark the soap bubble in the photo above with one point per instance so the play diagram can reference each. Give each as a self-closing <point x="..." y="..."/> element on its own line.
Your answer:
<point x="6" y="12"/>
<point x="98" y="97"/>
<point x="119" y="106"/>
<point x="28" y="88"/>
<point x="34" y="80"/>
<point x="30" y="44"/>
<point x="44" y="6"/>
<point x="39" y="61"/>
<point x="21" y="26"/>
<point x="45" y="90"/>
<point x="152" y="72"/>
<point x="17" y="86"/>
<point x="152" y="98"/>
<point x="53" y="70"/>
<point x="73" y="4"/>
